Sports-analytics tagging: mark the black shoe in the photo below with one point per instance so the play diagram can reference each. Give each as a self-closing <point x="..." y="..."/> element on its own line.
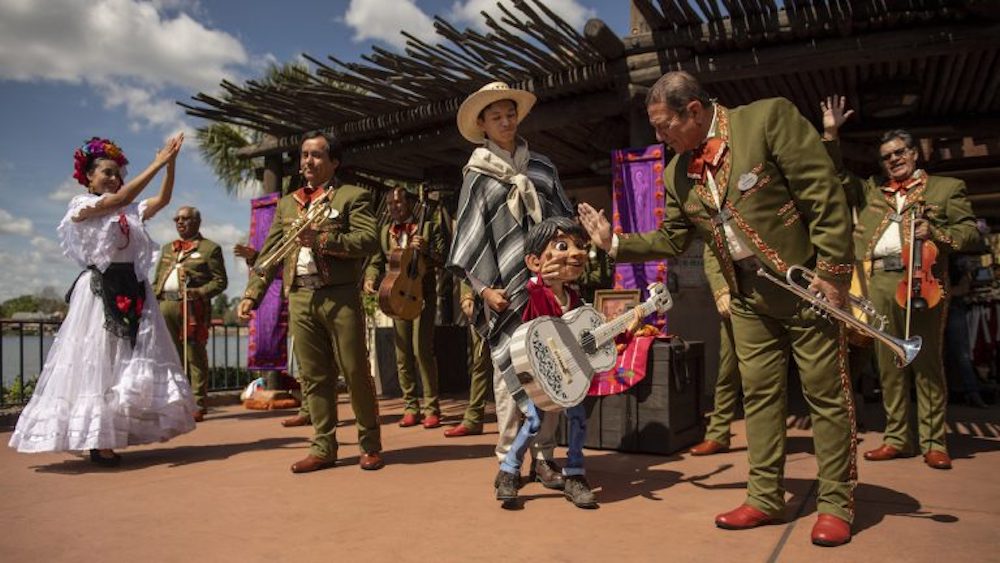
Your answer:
<point x="547" y="473"/>
<point x="114" y="461"/>
<point x="577" y="491"/>
<point x="506" y="486"/>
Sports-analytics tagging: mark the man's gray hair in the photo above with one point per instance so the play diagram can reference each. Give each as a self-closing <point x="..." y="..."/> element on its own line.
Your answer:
<point x="676" y="89"/>
<point x="901" y="134"/>
<point x="194" y="212"/>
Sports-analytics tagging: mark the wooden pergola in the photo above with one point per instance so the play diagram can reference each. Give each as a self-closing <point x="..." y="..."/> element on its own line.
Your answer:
<point x="930" y="66"/>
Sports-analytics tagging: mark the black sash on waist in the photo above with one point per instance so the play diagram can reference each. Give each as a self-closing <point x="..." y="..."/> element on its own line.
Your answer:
<point x="122" y="295"/>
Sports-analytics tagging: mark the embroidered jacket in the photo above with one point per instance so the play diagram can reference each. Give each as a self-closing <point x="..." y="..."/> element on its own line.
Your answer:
<point x="203" y="265"/>
<point x="780" y="195"/>
<point x="434" y="254"/>
<point x="953" y="226"/>
<point x="340" y="249"/>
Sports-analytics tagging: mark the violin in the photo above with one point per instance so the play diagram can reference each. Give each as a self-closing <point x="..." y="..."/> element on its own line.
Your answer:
<point x="918" y="289"/>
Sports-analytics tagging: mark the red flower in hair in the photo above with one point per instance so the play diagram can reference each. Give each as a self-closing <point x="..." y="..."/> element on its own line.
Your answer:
<point x="123" y="303"/>
<point x="92" y="150"/>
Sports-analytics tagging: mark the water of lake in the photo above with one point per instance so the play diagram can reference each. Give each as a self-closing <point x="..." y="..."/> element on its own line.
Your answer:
<point x="228" y="351"/>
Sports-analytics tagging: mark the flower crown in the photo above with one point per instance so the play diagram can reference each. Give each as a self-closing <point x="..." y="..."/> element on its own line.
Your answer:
<point x="92" y="150"/>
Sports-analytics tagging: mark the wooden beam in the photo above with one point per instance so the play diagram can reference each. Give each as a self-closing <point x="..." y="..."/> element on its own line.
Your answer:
<point x="600" y="36"/>
<point x="820" y="54"/>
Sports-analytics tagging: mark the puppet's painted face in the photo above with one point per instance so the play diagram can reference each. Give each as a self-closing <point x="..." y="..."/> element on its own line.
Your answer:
<point x="569" y="251"/>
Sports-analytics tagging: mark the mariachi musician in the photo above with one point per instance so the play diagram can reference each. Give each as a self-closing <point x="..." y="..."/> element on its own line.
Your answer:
<point x="320" y="236"/>
<point x="193" y="265"/>
<point x="902" y="209"/>
<point x="414" y="339"/>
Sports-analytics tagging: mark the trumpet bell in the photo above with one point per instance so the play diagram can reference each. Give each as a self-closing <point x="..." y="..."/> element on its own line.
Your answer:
<point x="905" y="350"/>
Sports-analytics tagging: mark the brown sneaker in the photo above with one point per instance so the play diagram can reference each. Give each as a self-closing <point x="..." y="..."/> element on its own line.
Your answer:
<point x="506" y="485"/>
<point x="577" y="490"/>
<point x="548" y="473"/>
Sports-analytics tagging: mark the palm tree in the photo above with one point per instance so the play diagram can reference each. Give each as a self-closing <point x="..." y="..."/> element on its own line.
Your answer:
<point x="218" y="142"/>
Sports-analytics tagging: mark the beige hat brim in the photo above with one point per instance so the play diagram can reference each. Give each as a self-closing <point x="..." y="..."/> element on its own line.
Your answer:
<point x="470" y="109"/>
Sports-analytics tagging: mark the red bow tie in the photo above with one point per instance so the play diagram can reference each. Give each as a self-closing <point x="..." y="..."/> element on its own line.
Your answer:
<point x="184" y="245"/>
<point x="708" y="154"/>
<point x="309" y="194"/>
<point x="901" y="186"/>
<point x="399" y="228"/>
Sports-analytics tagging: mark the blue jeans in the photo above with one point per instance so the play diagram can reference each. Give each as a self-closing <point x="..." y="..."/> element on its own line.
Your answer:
<point x="577" y="417"/>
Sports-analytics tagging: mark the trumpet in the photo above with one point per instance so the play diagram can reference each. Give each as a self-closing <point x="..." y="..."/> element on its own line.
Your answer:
<point x="905" y="350"/>
<point x="319" y="211"/>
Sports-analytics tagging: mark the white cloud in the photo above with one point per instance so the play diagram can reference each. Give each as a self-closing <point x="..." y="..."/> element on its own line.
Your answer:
<point x="66" y="191"/>
<point x="10" y="225"/>
<point x="225" y="235"/>
<point x="142" y="106"/>
<point x="45" y="245"/>
<point x="381" y="20"/>
<point x="91" y="41"/>
<point x="127" y="50"/>
<point x="35" y="270"/>
<point x="468" y="12"/>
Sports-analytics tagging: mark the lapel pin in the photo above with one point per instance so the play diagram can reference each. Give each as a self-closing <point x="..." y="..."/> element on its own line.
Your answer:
<point x="747" y="181"/>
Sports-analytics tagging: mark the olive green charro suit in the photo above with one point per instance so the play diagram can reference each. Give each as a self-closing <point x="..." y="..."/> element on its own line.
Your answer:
<point x="480" y="373"/>
<point x="727" y="382"/>
<point x="783" y="200"/>
<point x="414" y="339"/>
<point x="205" y="273"/>
<point x="326" y="320"/>
<point x="953" y="228"/>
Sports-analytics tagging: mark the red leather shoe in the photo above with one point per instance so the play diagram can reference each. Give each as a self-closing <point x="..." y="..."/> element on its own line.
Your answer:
<point x="409" y="419"/>
<point x="884" y="452"/>
<point x="937" y="459"/>
<point x="297" y="420"/>
<point x="743" y="518"/>
<point x="432" y="421"/>
<point x="370" y="461"/>
<point x="461" y="430"/>
<point x="830" y="531"/>
<point x="199" y="415"/>
<point x="312" y="463"/>
<point x="708" y="447"/>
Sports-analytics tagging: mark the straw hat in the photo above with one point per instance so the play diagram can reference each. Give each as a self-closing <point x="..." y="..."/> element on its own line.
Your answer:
<point x="469" y="111"/>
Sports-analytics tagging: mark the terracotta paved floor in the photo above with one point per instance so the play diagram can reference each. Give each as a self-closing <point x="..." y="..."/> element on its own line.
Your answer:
<point x="224" y="493"/>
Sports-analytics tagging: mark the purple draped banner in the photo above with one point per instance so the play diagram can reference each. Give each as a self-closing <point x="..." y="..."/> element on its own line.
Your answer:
<point x="268" y="347"/>
<point x="637" y="206"/>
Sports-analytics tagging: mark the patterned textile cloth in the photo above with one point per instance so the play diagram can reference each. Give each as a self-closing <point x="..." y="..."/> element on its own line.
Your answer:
<point x="489" y="247"/>
<point x="637" y="206"/>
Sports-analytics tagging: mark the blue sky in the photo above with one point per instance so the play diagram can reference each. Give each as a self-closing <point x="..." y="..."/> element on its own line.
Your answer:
<point x="71" y="69"/>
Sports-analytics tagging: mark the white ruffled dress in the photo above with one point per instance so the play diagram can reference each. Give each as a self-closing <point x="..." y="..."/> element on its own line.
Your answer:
<point x="96" y="390"/>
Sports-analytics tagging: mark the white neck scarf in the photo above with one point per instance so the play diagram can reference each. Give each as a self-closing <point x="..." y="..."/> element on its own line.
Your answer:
<point x="494" y="161"/>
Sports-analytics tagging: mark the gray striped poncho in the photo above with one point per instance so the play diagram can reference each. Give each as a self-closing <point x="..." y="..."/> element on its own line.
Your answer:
<point x="489" y="246"/>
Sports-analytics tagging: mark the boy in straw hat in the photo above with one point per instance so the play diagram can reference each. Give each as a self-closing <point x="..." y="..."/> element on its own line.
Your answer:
<point x="506" y="189"/>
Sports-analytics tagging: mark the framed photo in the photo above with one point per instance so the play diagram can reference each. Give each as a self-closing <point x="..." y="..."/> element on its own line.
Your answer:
<point x="613" y="302"/>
